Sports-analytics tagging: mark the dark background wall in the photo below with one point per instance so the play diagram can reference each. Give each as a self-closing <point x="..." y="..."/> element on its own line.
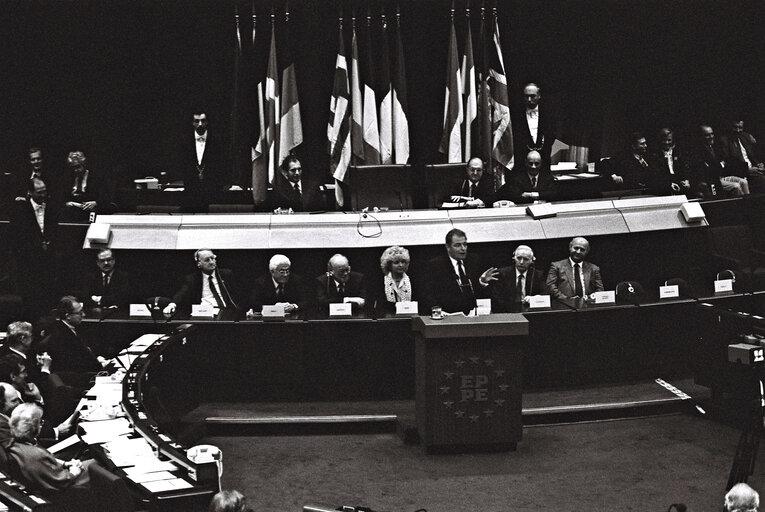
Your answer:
<point x="119" y="77"/>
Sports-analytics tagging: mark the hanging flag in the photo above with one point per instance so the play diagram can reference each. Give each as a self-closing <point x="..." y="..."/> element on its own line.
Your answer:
<point x="400" y="110"/>
<point x="236" y="146"/>
<point x="339" y="127"/>
<point x="484" y="108"/>
<point x="291" y="128"/>
<point x="266" y="152"/>
<point x="385" y="96"/>
<point x="502" y="131"/>
<point x="451" y="143"/>
<point x="357" y="118"/>
<point x="469" y="91"/>
<point x="371" y="130"/>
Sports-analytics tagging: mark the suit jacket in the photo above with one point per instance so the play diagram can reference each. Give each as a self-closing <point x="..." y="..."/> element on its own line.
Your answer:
<point x="28" y="241"/>
<point x="191" y="290"/>
<point x="560" y="279"/>
<point x="731" y="152"/>
<point x="70" y="352"/>
<point x="34" y="375"/>
<point x="380" y="299"/>
<point x="264" y="293"/>
<point x="665" y="179"/>
<point x="213" y="176"/>
<point x="520" y="182"/>
<point x="41" y="471"/>
<point x="635" y="175"/>
<point x="546" y="134"/>
<point x="706" y="170"/>
<point x="503" y="291"/>
<point x="326" y="291"/>
<point x="116" y="293"/>
<point x="442" y="285"/>
<point x="484" y="190"/>
<point x="285" y="196"/>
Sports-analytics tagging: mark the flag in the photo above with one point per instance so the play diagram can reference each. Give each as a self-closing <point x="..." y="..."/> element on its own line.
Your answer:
<point x="291" y="129"/>
<point x="339" y="127"/>
<point x="371" y="130"/>
<point x="451" y="143"/>
<point x="469" y="92"/>
<point x="385" y="97"/>
<point x="236" y="108"/>
<point x="400" y="122"/>
<point x="484" y="109"/>
<point x="357" y="117"/>
<point x="266" y="151"/>
<point x="502" y="131"/>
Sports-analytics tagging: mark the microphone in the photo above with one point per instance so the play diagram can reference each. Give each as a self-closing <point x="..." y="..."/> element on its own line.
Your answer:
<point x="400" y="201"/>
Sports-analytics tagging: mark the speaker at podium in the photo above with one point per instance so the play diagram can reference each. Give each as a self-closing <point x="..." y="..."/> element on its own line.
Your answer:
<point x="383" y="186"/>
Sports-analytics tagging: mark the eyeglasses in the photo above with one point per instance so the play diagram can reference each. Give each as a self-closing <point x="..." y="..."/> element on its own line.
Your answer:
<point x="283" y="270"/>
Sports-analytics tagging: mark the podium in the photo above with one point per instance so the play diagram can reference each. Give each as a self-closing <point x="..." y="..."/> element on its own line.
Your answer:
<point x="468" y="382"/>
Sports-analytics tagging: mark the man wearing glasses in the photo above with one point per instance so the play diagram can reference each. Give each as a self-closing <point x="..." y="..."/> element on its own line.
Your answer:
<point x="107" y="286"/>
<point x="341" y="285"/>
<point x="280" y="287"/>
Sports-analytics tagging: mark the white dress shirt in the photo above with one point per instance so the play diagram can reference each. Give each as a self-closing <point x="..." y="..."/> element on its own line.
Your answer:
<point x="201" y="142"/>
<point x="532" y="118"/>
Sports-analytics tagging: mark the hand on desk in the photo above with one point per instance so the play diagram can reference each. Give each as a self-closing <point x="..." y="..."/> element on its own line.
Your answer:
<point x="169" y="310"/>
<point x="359" y="301"/>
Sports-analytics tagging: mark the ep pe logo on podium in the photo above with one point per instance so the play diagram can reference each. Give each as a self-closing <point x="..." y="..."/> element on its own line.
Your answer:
<point x="474" y="388"/>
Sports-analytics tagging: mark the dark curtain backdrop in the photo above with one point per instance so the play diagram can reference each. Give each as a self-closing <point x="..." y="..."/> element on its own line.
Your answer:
<point x="120" y="78"/>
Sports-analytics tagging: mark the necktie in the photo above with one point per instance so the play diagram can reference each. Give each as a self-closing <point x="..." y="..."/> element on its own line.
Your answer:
<point x="519" y="291"/>
<point x="534" y="182"/>
<point x="215" y="293"/>
<point x="578" y="281"/>
<point x="341" y="289"/>
<point x="279" y="292"/>
<point x="472" y="190"/>
<point x="461" y="272"/>
<point x="78" y="186"/>
<point x="106" y="280"/>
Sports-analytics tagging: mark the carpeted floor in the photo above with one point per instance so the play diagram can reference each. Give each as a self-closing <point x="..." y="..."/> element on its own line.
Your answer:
<point x="639" y="464"/>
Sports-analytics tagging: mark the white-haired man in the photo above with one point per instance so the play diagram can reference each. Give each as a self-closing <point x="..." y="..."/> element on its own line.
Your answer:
<point x="279" y="286"/>
<point x="517" y="282"/>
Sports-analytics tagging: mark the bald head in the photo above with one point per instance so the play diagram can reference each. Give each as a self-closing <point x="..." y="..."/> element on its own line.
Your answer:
<point x="340" y="268"/>
<point x="578" y="249"/>
<point x="531" y="95"/>
<point x="474" y="169"/>
<point x="533" y="163"/>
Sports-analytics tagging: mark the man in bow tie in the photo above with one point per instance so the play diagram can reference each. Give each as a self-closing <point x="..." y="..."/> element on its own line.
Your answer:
<point x="202" y="164"/>
<point x="533" y="127"/>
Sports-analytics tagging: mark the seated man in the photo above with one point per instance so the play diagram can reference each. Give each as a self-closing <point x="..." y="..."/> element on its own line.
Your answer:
<point x="741" y="153"/>
<point x="475" y="191"/>
<point x="633" y="170"/>
<point x="711" y="170"/>
<point x="517" y="282"/>
<point x="291" y="191"/>
<point x="280" y="286"/>
<point x="340" y="285"/>
<point x="208" y="286"/>
<point x="574" y="277"/>
<point x="107" y="286"/>
<point x="454" y="280"/>
<point x="671" y="166"/>
<point x="528" y="185"/>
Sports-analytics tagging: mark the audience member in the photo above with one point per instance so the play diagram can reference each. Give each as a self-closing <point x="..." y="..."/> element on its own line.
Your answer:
<point x="742" y="498"/>
<point x="229" y="501"/>
<point x="454" y="279"/>
<point x="292" y="192"/>
<point x="208" y="286"/>
<point x="517" y="282"/>
<point x="632" y="166"/>
<point x="711" y="169"/>
<point x="534" y="127"/>
<point x="340" y="285"/>
<point x="107" y="286"/>
<point x="279" y="286"/>
<point x="84" y="192"/>
<point x="528" y="184"/>
<point x="741" y="153"/>
<point x="396" y="285"/>
<point x="34" y="169"/>
<point x="670" y="165"/>
<point x="574" y="277"/>
<point x="476" y="190"/>
<point x="201" y="164"/>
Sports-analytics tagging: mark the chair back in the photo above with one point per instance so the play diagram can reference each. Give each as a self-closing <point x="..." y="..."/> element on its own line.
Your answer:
<point x="383" y="186"/>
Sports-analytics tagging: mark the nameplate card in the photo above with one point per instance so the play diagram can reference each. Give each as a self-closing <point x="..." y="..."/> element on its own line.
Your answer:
<point x="669" y="292"/>
<point x="724" y="286"/>
<point x="482" y="307"/>
<point x="272" y="311"/>
<point x="541" y="211"/>
<point x="337" y="309"/>
<point x="140" y="310"/>
<point x="407" y="308"/>
<point x="539" y="301"/>
<point x="608" y="297"/>
<point x="692" y="212"/>
<point x="203" y="311"/>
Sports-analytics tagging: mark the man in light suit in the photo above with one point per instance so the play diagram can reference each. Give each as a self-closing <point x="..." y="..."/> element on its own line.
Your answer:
<point x="208" y="286"/>
<point x="574" y="277"/>
<point x="506" y="294"/>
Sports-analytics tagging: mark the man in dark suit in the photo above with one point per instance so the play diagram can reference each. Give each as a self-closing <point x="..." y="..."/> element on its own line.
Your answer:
<point x="32" y="226"/>
<point x="292" y="192"/>
<point x="517" y="282"/>
<point x="279" y="286"/>
<point x="741" y="153"/>
<point x="84" y="192"/>
<point x="529" y="184"/>
<point x="201" y="164"/>
<point x="476" y="190"/>
<point x="454" y="280"/>
<point x="671" y="166"/>
<point x="208" y="286"/>
<point x="340" y="285"/>
<point x="707" y="168"/>
<point x="574" y="277"/>
<point x="633" y="169"/>
<point x="107" y="286"/>
<point x="34" y="169"/>
<point x="534" y="127"/>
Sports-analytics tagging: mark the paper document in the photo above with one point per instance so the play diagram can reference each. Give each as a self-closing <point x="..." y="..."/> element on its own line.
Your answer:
<point x="167" y="485"/>
<point x="64" y="444"/>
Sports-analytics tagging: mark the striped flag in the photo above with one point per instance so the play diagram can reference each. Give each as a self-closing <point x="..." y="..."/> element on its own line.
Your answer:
<point x="451" y="140"/>
<point x="266" y="152"/>
<point x="357" y="117"/>
<point x="339" y="127"/>
<point x="469" y="91"/>
<point x="400" y="122"/>
<point x="502" y="131"/>
<point x="371" y="130"/>
<point x="291" y="128"/>
<point x="385" y="97"/>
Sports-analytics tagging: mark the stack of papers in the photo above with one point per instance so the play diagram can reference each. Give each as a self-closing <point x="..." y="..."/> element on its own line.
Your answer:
<point x="97" y="432"/>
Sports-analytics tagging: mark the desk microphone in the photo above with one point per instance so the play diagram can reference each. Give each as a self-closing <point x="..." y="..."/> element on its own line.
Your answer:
<point x="400" y="201"/>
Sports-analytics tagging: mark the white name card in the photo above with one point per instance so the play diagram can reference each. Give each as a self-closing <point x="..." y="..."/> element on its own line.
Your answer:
<point x="203" y="310"/>
<point x="407" y="308"/>
<point x="541" y="211"/>
<point x="724" y="286"/>
<point x="608" y="297"/>
<point x="482" y="307"/>
<point x="539" y="301"/>
<point x="141" y="310"/>
<point x="338" y="309"/>
<point x="273" y="311"/>
<point x="669" y="292"/>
